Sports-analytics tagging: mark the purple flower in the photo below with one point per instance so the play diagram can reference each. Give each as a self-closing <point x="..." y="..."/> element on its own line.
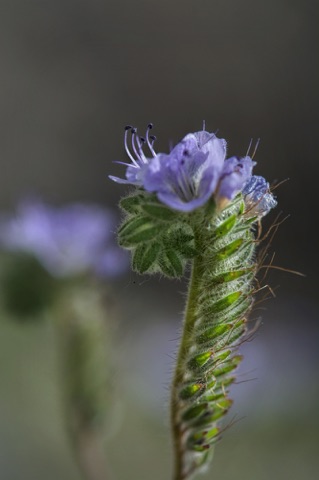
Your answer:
<point x="257" y="197"/>
<point x="193" y="172"/>
<point x="187" y="177"/>
<point x="236" y="171"/>
<point x="68" y="240"/>
<point x="136" y="170"/>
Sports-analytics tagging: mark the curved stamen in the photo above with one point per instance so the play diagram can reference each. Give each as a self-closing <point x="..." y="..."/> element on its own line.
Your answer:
<point x="140" y="141"/>
<point x="133" y="131"/>
<point x="149" y="144"/>
<point x="127" y="128"/>
<point x="153" y="138"/>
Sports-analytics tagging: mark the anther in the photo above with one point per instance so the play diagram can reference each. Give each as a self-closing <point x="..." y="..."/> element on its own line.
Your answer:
<point x="128" y="127"/>
<point x="148" y="137"/>
<point x="133" y="130"/>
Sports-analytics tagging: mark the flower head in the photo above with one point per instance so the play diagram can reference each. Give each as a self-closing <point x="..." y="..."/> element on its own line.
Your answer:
<point x="257" y="196"/>
<point x="67" y="240"/>
<point x="194" y="171"/>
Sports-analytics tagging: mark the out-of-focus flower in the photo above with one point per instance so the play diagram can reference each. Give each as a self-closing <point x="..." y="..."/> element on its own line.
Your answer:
<point x="67" y="241"/>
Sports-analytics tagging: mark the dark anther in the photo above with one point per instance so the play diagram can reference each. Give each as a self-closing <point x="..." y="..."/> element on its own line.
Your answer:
<point x="142" y="139"/>
<point x="152" y="137"/>
<point x="128" y="127"/>
<point x="133" y="130"/>
<point x="150" y="125"/>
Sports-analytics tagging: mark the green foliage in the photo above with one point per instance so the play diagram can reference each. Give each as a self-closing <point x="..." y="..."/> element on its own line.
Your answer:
<point x="160" y="239"/>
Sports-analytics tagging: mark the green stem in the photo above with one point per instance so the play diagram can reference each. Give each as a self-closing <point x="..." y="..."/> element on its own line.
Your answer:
<point x="189" y="320"/>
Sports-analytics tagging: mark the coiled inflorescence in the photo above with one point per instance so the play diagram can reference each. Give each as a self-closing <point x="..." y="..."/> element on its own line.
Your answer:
<point x="224" y="286"/>
<point x="195" y="205"/>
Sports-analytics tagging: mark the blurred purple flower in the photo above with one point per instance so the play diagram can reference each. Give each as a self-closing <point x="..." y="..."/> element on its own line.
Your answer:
<point x="68" y="240"/>
<point x="257" y="196"/>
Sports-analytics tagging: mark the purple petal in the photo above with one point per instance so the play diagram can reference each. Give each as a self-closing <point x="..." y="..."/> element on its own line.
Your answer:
<point x="188" y="176"/>
<point x="236" y="171"/>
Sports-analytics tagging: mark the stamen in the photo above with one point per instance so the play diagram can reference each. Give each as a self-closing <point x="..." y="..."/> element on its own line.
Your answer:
<point x="140" y="141"/>
<point x="149" y="144"/>
<point x="256" y="146"/>
<point x="249" y="147"/>
<point x="204" y="125"/>
<point x="127" y="128"/>
<point x="133" y="131"/>
<point x="153" y="138"/>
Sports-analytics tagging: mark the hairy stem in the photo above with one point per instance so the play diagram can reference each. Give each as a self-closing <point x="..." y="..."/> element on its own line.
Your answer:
<point x="189" y="320"/>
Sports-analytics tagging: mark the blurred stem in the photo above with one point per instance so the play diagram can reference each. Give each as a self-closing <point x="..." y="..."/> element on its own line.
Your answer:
<point x="189" y="319"/>
<point x="84" y="337"/>
<point x="91" y="456"/>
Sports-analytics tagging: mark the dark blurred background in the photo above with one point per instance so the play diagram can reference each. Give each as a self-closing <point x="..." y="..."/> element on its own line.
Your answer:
<point x="73" y="74"/>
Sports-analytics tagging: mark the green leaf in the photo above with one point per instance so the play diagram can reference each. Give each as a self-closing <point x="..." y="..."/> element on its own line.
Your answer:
<point x="137" y="230"/>
<point x="171" y="264"/>
<point x="145" y="256"/>
<point x="181" y="239"/>
<point x="159" y="211"/>
<point x="132" y="203"/>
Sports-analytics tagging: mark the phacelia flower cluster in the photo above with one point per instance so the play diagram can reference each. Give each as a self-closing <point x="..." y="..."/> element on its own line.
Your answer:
<point x="195" y="170"/>
<point x="68" y="240"/>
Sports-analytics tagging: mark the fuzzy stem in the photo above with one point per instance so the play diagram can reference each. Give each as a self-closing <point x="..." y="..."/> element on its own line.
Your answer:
<point x="189" y="320"/>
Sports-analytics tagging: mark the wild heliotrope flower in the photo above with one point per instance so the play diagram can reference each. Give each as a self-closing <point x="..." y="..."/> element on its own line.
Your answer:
<point x="188" y="176"/>
<point x="194" y="205"/>
<point x="67" y="240"/>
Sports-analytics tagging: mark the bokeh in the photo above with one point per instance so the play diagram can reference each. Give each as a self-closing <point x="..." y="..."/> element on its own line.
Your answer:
<point x="73" y="74"/>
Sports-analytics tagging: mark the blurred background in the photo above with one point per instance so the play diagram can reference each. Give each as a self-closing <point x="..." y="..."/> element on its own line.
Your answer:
<point x="73" y="74"/>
